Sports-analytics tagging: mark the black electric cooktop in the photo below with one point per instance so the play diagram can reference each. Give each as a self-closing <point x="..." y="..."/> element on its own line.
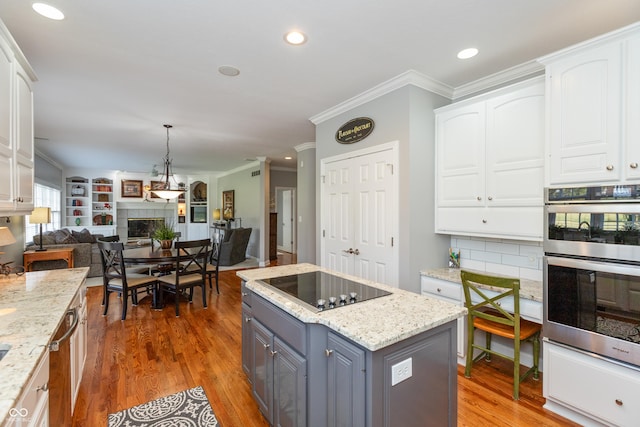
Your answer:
<point x="324" y="291"/>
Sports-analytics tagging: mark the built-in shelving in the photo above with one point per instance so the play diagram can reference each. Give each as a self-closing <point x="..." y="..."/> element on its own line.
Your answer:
<point x="77" y="202"/>
<point x="102" y="201"/>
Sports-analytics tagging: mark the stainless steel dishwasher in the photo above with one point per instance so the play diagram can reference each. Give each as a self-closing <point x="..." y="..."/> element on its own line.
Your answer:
<point x="60" y="371"/>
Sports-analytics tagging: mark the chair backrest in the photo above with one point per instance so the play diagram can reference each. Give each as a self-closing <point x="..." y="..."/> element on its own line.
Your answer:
<point x="490" y="308"/>
<point x="192" y="256"/>
<point x="115" y="238"/>
<point x="112" y="261"/>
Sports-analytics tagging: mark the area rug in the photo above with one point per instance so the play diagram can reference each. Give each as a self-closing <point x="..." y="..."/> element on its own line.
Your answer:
<point x="188" y="408"/>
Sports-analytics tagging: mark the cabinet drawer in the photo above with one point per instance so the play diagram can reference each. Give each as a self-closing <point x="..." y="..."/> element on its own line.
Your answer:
<point x="35" y="396"/>
<point x="592" y="386"/>
<point x="280" y="323"/>
<point x="441" y="288"/>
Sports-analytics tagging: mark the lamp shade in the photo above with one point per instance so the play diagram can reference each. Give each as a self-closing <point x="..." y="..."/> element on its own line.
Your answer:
<point x="6" y="238"/>
<point x="40" y="216"/>
<point x="216" y="214"/>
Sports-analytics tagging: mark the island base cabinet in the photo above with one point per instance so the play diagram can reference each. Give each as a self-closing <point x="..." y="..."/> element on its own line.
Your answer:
<point x="32" y="408"/>
<point x="345" y="382"/>
<point x="428" y="397"/>
<point x="590" y="390"/>
<point x="278" y="379"/>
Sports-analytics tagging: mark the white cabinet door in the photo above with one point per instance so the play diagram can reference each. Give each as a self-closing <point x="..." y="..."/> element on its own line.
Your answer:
<point x="515" y="148"/>
<point x="6" y="144"/>
<point x="591" y="386"/>
<point x="490" y="164"/>
<point x="460" y="136"/>
<point x="631" y="164"/>
<point x="584" y="116"/>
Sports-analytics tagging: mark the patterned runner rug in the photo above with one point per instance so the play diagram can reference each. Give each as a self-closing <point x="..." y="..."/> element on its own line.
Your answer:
<point x="185" y="409"/>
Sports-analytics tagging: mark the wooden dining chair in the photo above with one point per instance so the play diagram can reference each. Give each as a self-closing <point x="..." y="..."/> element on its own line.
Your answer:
<point x="115" y="277"/>
<point x="489" y="316"/>
<point x="190" y="271"/>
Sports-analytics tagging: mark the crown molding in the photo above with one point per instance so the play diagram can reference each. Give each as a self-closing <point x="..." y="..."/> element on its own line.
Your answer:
<point x="519" y="72"/>
<point x="305" y="146"/>
<point x="410" y="77"/>
<point x="48" y="159"/>
<point x="253" y="164"/>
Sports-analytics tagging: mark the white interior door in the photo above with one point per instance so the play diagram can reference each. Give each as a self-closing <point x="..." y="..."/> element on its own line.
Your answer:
<point x="359" y="211"/>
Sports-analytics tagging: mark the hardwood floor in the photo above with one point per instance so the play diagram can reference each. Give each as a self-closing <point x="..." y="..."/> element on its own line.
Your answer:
<point x="152" y="354"/>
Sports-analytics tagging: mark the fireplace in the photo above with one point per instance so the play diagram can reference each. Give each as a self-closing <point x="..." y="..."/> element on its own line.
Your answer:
<point x="142" y="228"/>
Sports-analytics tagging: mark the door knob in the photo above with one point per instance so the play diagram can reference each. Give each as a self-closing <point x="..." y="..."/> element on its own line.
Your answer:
<point x="348" y="251"/>
<point x="356" y="252"/>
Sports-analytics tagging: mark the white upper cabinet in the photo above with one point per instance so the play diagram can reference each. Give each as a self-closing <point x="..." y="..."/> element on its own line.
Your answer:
<point x="490" y="164"/>
<point x="592" y="103"/>
<point x="16" y="128"/>
<point x="632" y="123"/>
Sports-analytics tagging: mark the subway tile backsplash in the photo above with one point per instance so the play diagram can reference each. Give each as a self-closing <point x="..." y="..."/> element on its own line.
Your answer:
<point x="510" y="257"/>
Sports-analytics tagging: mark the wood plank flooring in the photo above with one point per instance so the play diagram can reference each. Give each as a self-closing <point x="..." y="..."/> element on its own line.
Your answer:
<point x="152" y="354"/>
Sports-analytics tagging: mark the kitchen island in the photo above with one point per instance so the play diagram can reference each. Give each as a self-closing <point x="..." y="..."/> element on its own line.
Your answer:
<point x="381" y="362"/>
<point x="32" y="307"/>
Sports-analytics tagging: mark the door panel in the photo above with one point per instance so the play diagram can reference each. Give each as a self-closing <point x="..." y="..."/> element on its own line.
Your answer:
<point x="360" y="207"/>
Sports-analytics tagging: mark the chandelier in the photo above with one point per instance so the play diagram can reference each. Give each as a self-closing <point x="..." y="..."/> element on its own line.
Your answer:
<point x="167" y="174"/>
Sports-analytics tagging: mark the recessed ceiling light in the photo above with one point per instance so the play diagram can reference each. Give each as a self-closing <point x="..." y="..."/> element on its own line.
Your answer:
<point x="295" y="37"/>
<point x="228" y="70"/>
<point x="48" y="11"/>
<point x="467" y="53"/>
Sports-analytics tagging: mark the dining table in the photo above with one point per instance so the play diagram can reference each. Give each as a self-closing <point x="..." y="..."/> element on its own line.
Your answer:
<point x="151" y="255"/>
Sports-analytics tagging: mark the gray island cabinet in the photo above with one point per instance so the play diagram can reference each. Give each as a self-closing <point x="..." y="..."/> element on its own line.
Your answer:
<point x="389" y="361"/>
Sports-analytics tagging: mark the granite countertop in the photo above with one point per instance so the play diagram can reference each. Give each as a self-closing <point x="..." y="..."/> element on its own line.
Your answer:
<point x="32" y="306"/>
<point x="529" y="289"/>
<point x="374" y="324"/>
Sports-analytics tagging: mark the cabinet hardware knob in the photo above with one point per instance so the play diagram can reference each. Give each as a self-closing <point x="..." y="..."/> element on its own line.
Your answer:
<point x="44" y="387"/>
<point x="356" y="251"/>
<point x="484" y="221"/>
<point x="273" y="353"/>
<point x="490" y="197"/>
<point x="439" y="290"/>
<point x="348" y="251"/>
<point x="266" y="345"/>
<point x="479" y="198"/>
<point x="633" y="165"/>
<point x="247" y="319"/>
<point x="245" y="294"/>
<point x="618" y="402"/>
<point x="328" y="352"/>
<point x="609" y="167"/>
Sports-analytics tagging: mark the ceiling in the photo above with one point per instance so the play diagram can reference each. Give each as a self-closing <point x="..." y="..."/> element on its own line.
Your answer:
<point x="113" y="72"/>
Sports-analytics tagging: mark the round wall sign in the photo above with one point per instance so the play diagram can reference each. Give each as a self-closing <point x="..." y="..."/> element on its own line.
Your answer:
<point x="354" y="130"/>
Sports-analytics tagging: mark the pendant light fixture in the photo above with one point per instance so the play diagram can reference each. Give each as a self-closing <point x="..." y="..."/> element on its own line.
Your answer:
<point x="166" y="192"/>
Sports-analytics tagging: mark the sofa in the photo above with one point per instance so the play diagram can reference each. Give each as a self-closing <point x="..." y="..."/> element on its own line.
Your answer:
<point x="233" y="248"/>
<point x="85" y="250"/>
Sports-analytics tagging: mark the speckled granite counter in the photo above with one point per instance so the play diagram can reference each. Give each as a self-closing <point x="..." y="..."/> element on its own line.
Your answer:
<point x="529" y="289"/>
<point x="373" y="324"/>
<point x="31" y="309"/>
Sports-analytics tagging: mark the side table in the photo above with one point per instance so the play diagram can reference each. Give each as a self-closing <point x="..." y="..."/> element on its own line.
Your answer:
<point x="65" y="254"/>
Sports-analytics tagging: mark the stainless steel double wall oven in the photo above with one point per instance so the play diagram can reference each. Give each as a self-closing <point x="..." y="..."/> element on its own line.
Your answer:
<point x="592" y="269"/>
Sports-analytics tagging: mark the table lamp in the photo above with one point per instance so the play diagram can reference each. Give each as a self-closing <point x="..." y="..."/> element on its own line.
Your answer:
<point x="216" y="214"/>
<point x="40" y="216"/>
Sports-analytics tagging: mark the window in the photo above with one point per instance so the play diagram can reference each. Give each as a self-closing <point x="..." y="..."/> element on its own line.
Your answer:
<point x="44" y="196"/>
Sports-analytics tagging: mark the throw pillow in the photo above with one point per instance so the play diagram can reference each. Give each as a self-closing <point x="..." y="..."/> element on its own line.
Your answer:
<point x="83" y="236"/>
<point x="47" y="238"/>
<point x="64" y="236"/>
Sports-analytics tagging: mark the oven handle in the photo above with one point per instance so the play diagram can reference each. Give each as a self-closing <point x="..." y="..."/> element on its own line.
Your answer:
<point x="583" y="264"/>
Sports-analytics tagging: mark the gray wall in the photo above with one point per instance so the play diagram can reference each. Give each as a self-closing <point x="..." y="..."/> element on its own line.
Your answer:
<point x="404" y="115"/>
<point x="247" y="193"/>
<point x="46" y="173"/>
<point x="307" y="201"/>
